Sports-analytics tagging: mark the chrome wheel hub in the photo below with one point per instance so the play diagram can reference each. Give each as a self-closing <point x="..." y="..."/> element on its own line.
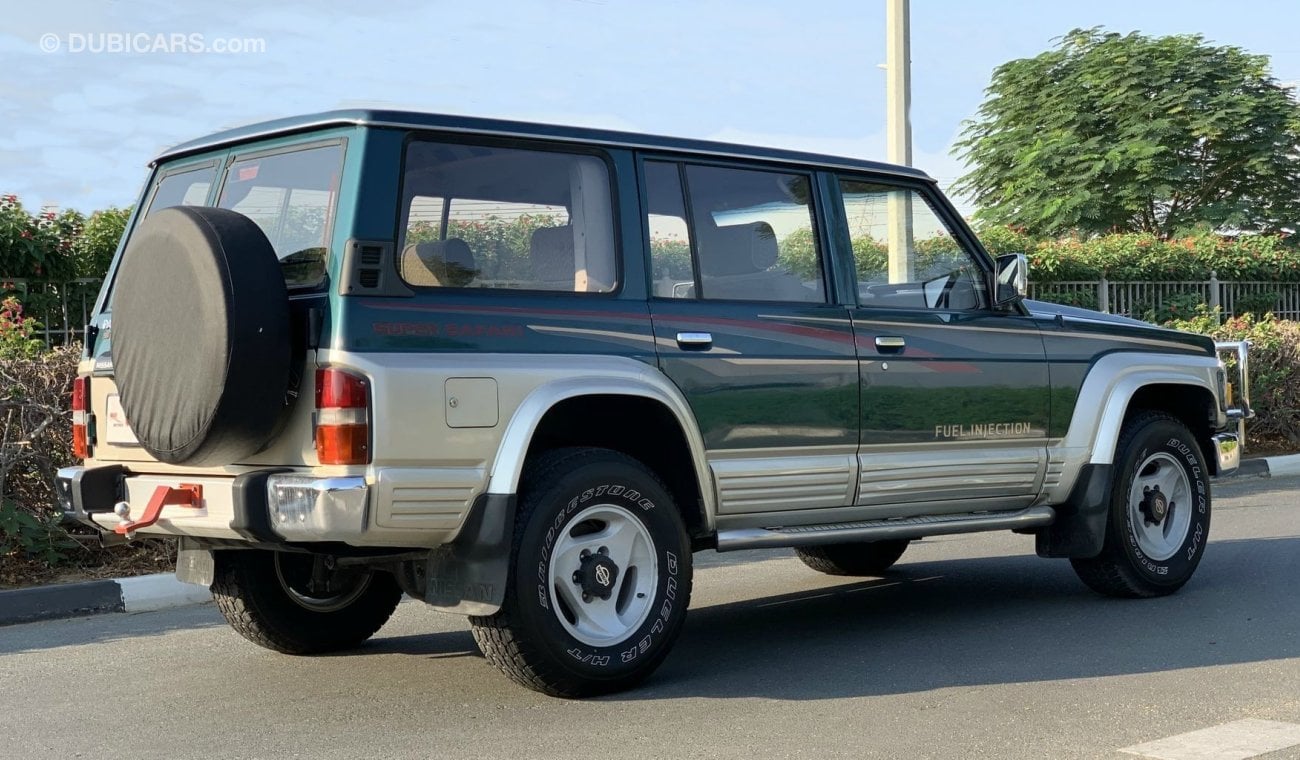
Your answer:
<point x="1160" y="500"/>
<point x="603" y="573"/>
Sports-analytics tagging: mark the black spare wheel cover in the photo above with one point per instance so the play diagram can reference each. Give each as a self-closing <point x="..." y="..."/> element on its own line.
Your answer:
<point x="200" y="336"/>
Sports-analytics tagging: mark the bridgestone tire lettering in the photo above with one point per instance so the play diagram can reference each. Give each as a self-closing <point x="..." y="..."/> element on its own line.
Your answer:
<point x="525" y="639"/>
<point x="1122" y="568"/>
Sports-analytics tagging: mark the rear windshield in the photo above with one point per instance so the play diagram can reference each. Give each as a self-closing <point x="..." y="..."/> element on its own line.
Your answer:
<point x="292" y="196"/>
<point x="186" y="187"/>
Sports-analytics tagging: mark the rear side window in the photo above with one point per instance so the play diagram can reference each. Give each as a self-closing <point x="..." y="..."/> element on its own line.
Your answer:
<point x="750" y="232"/>
<point x="505" y="218"/>
<point x="183" y="188"/>
<point x="292" y="197"/>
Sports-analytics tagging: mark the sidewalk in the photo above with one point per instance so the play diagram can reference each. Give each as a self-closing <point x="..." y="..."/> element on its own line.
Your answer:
<point x="1269" y="467"/>
<point x="154" y="592"/>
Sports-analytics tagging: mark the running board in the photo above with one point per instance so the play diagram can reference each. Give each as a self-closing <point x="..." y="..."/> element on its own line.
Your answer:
<point x="883" y="530"/>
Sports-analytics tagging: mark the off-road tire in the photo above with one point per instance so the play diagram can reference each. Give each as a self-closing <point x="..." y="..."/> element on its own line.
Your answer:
<point x="862" y="558"/>
<point x="249" y="593"/>
<point x="1123" y="569"/>
<point x="526" y="638"/>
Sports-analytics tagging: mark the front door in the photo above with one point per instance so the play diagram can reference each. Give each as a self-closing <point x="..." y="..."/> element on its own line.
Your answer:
<point x="746" y="329"/>
<point x="955" y="395"/>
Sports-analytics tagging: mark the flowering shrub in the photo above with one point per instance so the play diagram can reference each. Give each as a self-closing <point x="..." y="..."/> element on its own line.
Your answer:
<point x="16" y="331"/>
<point x="1274" y="370"/>
<point x="38" y="246"/>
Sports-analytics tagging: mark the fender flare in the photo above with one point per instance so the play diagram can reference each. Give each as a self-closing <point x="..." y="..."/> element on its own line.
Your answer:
<point x="1103" y="399"/>
<point x="639" y="381"/>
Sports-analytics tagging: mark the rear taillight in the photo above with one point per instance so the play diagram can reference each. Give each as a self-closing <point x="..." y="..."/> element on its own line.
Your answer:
<point x="81" y="417"/>
<point x="342" y="417"/>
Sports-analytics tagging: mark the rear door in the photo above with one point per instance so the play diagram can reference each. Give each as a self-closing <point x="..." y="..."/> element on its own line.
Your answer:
<point x="955" y="394"/>
<point x="745" y="326"/>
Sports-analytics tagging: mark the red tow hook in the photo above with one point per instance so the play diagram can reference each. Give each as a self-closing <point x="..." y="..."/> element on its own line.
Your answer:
<point x="186" y="495"/>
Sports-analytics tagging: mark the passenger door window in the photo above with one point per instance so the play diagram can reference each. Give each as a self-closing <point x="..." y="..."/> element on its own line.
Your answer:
<point x="905" y="255"/>
<point x="750" y="234"/>
<point x="503" y="218"/>
<point x="291" y="197"/>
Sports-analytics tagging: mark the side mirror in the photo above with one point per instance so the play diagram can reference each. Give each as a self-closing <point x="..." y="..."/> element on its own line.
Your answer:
<point x="1012" y="279"/>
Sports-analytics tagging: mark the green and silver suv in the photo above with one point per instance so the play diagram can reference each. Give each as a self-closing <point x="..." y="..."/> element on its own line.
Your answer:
<point x="523" y="372"/>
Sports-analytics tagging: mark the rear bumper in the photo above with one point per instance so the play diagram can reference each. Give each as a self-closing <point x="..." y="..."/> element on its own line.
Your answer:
<point x="270" y="506"/>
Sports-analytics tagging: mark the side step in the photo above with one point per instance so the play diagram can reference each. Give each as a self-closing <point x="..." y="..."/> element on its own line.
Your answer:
<point x="881" y="530"/>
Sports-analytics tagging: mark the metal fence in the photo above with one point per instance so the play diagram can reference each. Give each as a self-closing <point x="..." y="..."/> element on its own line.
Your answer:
<point x="62" y="308"/>
<point x="1145" y="299"/>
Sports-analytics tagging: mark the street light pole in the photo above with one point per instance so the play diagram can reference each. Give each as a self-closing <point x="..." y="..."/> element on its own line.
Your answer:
<point x="898" y="134"/>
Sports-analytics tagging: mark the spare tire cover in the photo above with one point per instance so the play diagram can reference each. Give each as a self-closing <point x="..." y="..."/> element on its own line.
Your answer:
<point x="201" y="339"/>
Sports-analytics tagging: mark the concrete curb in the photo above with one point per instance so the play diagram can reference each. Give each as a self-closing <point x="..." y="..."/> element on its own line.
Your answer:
<point x="1287" y="465"/>
<point x="64" y="600"/>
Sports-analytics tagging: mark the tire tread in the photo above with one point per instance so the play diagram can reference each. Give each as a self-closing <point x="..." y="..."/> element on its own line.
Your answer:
<point x="1109" y="573"/>
<point x="499" y="635"/>
<point x="852" y="559"/>
<point x="248" y="603"/>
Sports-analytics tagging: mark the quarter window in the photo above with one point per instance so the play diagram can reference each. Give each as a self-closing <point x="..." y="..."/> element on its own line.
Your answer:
<point x="750" y="232"/>
<point x="904" y="254"/>
<point x="291" y="197"/>
<point x="505" y="218"/>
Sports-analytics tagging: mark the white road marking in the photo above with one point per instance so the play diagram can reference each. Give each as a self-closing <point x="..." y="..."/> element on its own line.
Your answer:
<point x="1237" y="740"/>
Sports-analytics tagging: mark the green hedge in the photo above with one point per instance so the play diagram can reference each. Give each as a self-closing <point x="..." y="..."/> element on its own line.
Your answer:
<point x="1132" y="257"/>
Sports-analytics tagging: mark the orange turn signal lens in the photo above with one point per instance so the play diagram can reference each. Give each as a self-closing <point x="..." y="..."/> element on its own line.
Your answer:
<point x="342" y="417"/>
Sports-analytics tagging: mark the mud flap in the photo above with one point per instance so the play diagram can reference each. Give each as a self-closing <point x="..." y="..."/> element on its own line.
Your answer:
<point x="194" y="563"/>
<point x="469" y="575"/>
<point x="1079" y="530"/>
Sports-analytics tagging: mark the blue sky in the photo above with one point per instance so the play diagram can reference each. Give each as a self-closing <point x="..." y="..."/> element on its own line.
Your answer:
<point x="76" y="128"/>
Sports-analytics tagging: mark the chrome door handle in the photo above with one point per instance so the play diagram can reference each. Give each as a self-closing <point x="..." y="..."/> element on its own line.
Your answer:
<point x="890" y="343"/>
<point x="694" y="339"/>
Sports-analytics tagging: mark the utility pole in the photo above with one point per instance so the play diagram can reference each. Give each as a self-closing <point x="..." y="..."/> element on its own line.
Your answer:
<point x="898" y="134"/>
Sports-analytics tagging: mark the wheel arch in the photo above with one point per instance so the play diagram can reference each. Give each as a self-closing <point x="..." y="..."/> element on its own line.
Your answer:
<point x="1117" y="387"/>
<point x="1191" y="404"/>
<point x="666" y="437"/>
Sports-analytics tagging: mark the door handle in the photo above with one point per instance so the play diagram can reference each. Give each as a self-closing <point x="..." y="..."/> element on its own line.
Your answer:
<point x="694" y="339"/>
<point x="890" y="343"/>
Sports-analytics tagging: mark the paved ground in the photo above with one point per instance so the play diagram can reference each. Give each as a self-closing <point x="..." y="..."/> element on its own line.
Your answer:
<point x="973" y="648"/>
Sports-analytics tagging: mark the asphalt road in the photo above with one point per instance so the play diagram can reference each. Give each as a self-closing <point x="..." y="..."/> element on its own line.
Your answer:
<point x="971" y="648"/>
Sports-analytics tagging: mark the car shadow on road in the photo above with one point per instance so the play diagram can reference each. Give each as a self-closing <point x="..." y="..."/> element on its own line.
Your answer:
<point x="933" y="625"/>
<point x="434" y="646"/>
<point x="100" y="629"/>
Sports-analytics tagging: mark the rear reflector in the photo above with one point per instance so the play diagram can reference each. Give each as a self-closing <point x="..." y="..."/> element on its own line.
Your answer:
<point x="342" y="417"/>
<point x="81" y="417"/>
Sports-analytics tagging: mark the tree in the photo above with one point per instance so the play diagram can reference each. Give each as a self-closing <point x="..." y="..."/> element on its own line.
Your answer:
<point x="1128" y="133"/>
<point x="98" y="241"/>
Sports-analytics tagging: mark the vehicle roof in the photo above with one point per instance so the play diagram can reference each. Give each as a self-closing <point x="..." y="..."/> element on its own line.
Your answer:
<point x="501" y="127"/>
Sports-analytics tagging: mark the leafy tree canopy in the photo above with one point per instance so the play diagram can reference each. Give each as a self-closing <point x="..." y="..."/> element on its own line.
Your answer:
<point x="1128" y="133"/>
